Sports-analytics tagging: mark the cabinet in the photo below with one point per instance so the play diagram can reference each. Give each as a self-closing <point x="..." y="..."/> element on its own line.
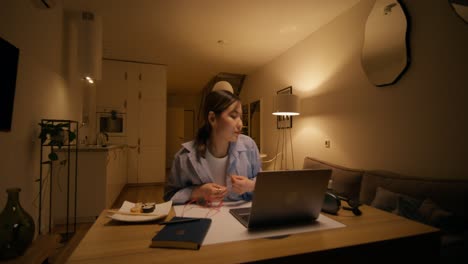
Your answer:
<point x="146" y="121"/>
<point x="101" y="177"/>
<point x="111" y="92"/>
<point x="139" y="89"/>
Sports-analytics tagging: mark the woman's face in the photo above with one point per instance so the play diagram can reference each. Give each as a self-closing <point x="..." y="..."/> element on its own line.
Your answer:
<point x="228" y="125"/>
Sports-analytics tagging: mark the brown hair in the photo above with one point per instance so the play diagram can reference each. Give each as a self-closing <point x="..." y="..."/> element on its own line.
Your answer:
<point x="216" y="101"/>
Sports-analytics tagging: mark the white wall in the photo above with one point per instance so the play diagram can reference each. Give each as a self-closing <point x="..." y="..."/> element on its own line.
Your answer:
<point x="417" y="126"/>
<point x="45" y="88"/>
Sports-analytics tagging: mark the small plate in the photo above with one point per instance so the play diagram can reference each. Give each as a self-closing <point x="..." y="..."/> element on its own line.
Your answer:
<point x="136" y="218"/>
<point x="161" y="211"/>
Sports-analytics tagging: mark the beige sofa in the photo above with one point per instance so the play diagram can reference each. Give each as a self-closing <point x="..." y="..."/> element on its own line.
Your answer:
<point x="440" y="203"/>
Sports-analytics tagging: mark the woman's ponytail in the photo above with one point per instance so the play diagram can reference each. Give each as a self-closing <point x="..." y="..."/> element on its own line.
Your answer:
<point x="201" y="140"/>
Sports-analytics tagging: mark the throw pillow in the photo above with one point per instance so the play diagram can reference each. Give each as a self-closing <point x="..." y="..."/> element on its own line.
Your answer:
<point x="408" y="207"/>
<point x="434" y="215"/>
<point x="385" y="200"/>
<point x="397" y="203"/>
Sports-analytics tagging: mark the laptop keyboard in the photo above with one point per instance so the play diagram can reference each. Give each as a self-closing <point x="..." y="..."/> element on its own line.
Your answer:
<point x="242" y="214"/>
<point x="245" y="217"/>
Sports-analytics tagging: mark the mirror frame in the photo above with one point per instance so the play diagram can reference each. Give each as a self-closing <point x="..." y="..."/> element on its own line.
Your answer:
<point x="406" y="43"/>
<point x="462" y="3"/>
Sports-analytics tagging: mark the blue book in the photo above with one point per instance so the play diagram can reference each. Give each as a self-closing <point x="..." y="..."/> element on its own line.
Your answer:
<point x="182" y="232"/>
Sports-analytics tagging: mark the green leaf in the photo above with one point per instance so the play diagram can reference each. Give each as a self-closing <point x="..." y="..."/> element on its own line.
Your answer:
<point x="53" y="156"/>
<point x="71" y="136"/>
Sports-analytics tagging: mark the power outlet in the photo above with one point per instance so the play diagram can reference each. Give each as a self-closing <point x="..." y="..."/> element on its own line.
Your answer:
<point x="327" y="143"/>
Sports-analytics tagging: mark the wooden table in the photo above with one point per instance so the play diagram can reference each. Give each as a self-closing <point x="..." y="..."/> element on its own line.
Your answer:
<point x="376" y="235"/>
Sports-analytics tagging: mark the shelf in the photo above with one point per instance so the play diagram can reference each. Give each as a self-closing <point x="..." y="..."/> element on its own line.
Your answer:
<point x="49" y="127"/>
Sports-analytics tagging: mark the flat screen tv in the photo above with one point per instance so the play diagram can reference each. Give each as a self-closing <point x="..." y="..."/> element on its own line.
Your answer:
<point x="9" y="55"/>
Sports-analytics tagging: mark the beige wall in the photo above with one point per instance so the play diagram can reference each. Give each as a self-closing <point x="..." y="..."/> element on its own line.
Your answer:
<point x="188" y="102"/>
<point x="43" y="90"/>
<point x="417" y="126"/>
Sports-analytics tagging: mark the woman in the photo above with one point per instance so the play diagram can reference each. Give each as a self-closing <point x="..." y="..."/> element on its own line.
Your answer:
<point x="221" y="163"/>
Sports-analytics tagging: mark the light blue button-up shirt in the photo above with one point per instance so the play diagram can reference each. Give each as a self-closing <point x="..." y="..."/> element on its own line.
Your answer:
<point x="187" y="172"/>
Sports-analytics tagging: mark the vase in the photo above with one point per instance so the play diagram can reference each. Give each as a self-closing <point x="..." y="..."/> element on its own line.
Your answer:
<point x="16" y="227"/>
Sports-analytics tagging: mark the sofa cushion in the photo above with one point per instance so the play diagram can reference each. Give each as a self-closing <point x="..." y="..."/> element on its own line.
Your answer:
<point x="452" y="195"/>
<point x="385" y="200"/>
<point x="432" y="214"/>
<point x="426" y="211"/>
<point x="397" y="203"/>
<point x="346" y="182"/>
<point x="409" y="207"/>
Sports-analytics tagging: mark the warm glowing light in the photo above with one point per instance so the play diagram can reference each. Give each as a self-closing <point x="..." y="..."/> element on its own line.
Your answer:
<point x="89" y="79"/>
<point x="285" y="113"/>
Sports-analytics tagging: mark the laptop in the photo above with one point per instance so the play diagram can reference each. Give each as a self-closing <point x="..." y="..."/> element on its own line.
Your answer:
<point x="288" y="197"/>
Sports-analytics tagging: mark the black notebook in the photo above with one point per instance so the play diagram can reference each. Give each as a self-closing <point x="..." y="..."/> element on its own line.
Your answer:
<point x="188" y="235"/>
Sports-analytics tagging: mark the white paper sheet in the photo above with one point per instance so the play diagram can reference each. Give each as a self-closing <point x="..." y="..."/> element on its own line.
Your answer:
<point x="225" y="228"/>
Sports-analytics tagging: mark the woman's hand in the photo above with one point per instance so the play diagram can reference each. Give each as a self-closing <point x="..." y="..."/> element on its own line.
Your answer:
<point x="241" y="184"/>
<point x="209" y="192"/>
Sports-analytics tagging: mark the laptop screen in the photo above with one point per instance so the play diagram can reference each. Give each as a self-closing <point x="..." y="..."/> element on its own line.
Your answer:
<point x="286" y="197"/>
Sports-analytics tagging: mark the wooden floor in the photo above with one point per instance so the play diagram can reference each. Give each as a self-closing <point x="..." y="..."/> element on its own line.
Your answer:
<point x="132" y="193"/>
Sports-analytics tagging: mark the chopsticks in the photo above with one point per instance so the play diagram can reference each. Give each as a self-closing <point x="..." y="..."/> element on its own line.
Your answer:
<point x="114" y="211"/>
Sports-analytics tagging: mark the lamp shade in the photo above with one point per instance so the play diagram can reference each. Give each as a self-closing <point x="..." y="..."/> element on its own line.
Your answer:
<point x="286" y="105"/>
<point x="223" y="85"/>
<point x="89" y="46"/>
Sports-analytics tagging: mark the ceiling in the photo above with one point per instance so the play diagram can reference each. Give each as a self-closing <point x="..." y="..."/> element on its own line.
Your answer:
<point x="197" y="39"/>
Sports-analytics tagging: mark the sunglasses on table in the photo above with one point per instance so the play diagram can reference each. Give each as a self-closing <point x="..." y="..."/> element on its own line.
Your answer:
<point x="332" y="204"/>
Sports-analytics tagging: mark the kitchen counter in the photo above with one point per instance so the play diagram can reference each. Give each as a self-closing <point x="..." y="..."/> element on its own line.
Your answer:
<point x="102" y="174"/>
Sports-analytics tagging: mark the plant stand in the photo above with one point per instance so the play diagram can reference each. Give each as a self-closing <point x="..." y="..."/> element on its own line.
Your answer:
<point x="69" y="147"/>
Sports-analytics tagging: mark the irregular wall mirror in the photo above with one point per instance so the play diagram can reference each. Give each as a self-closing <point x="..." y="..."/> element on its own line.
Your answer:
<point x="385" y="54"/>
<point x="461" y="8"/>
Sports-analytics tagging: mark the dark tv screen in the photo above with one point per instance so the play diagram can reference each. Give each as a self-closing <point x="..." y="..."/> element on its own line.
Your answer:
<point x="9" y="56"/>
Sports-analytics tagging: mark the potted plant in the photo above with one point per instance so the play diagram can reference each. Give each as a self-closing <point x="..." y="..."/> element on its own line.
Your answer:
<point x="55" y="134"/>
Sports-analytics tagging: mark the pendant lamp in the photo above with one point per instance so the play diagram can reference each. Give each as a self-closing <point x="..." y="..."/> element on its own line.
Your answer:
<point x="89" y="46"/>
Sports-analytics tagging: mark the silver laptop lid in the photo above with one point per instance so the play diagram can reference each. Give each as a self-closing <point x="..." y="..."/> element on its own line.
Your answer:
<point x="288" y="197"/>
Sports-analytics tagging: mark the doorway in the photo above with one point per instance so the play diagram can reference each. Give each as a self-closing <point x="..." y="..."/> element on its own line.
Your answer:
<point x="254" y="122"/>
<point x="180" y="129"/>
<point x="189" y="125"/>
<point x="175" y="133"/>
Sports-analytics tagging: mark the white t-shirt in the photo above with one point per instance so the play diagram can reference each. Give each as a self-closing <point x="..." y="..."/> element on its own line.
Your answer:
<point x="217" y="167"/>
